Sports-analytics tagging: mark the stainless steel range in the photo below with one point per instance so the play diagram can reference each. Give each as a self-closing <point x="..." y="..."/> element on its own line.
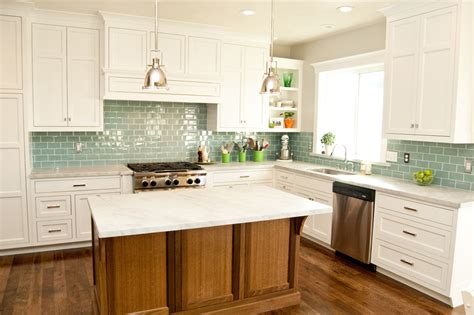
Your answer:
<point x="150" y="176"/>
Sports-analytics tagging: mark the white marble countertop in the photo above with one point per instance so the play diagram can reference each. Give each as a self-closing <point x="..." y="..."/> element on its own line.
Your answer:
<point x="89" y="171"/>
<point x="181" y="209"/>
<point x="443" y="196"/>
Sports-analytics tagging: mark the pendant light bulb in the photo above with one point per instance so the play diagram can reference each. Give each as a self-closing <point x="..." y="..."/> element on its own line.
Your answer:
<point x="271" y="82"/>
<point x="155" y="77"/>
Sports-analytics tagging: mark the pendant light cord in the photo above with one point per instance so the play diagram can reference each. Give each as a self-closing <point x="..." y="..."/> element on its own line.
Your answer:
<point x="272" y="31"/>
<point x="156" y="25"/>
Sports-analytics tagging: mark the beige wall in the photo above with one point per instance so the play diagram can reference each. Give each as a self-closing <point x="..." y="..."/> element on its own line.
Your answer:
<point x="358" y="41"/>
<point x="282" y="51"/>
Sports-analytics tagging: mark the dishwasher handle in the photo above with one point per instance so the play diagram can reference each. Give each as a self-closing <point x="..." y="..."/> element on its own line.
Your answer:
<point x="353" y="191"/>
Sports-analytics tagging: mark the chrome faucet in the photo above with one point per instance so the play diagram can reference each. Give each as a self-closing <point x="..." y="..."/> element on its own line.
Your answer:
<point x="348" y="166"/>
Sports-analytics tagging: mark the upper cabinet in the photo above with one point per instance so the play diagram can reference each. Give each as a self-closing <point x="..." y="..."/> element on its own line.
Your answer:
<point x="66" y="78"/>
<point x="11" y="53"/>
<point x="428" y="83"/>
<point x="241" y="107"/>
<point x="191" y="59"/>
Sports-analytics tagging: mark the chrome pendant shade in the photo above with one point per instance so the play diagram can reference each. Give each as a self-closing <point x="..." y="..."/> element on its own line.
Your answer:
<point x="271" y="82"/>
<point x="155" y="77"/>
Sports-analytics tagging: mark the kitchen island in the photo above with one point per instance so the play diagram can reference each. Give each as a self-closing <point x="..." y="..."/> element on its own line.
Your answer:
<point x="198" y="251"/>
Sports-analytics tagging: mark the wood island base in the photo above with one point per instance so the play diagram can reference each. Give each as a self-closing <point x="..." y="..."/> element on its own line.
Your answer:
<point x="233" y="269"/>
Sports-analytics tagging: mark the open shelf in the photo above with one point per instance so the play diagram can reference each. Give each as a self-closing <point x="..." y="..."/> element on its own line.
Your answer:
<point x="289" y="89"/>
<point x="283" y="109"/>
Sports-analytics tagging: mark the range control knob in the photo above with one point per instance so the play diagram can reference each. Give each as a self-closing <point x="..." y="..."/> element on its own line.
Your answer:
<point x="168" y="182"/>
<point x="153" y="182"/>
<point x="189" y="181"/>
<point x="197" y="181"/>
<point x="144" y="183"/>
<point x="176" y="182"/>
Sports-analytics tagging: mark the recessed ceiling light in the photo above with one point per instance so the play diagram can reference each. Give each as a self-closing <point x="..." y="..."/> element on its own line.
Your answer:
<point x="345" y="8"/>
<point x="247" y="12"/>
<point x="328" y="26"/>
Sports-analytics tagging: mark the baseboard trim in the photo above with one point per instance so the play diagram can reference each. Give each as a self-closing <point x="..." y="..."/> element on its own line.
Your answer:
<point x="315" y="242"/>
<point x="44" y="248"/>
<point x="444" y="299"/>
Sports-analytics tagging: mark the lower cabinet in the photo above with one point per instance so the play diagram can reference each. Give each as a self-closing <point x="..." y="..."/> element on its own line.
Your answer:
<point x="241" y="178"/>
<point x="317" y="227"/>
<point x="424" y="245"/>
<point x="61" y="212"/>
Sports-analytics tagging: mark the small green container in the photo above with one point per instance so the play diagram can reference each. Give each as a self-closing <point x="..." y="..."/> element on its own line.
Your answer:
<point x="258" y="156"/>
<point x="225" y="158"/>
<point x="242" y="157"/>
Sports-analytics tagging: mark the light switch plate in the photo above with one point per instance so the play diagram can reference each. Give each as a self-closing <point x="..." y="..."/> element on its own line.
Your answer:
<point x="468" y="166"/>
<point x="391" y="156"/>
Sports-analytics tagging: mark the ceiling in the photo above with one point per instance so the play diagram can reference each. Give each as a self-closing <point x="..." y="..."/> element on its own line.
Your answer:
<point x="296" y="20"/>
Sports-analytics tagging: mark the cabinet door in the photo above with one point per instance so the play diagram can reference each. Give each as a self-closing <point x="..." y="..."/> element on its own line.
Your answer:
<point x="83" y="216"/>
<point x="436" y="81"/>
<point x="173" y="52"/>
<point x="13" y="211"/>
<point x="203" y="57"/>
<point x="49" y="76"/>
<point x="401" y="76"/>
<point x="230" y="115"/>
<point x="253" y="110"/>
<point x="322" y="223"/>
<point x="127" y="49"/>
<point x="83" y="77"/>
<point x="11" y="54"/>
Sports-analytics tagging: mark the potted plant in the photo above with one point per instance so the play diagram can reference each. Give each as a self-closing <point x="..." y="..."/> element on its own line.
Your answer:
<point x="328" y="139"/>
<point x="289" y="120"/>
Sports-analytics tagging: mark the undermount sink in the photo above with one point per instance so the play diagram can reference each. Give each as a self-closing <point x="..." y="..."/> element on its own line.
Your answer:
<point x="331" y="171"/>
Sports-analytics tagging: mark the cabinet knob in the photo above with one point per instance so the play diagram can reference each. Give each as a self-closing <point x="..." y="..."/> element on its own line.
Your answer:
<point x="416" y="125"/>
<point x="69" y="119"/>
<point x="65" y="119"/>
<point x="412" y="126"/>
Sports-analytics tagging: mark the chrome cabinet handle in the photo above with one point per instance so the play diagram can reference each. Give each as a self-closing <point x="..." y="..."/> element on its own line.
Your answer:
<point x="284" y="177"/>
<point x="69" y="118"/>
<point x="53" y="206"/>
<point x="410" y="209"/>
<point x="412" y="126"/>
<point x="409" y="233"/>
<point x="407" y="262"/>
<point x="65" y="119"/>
<point x="54" y="230"/>
<point x="244" y="176"/>
<point x="79" y="185"/>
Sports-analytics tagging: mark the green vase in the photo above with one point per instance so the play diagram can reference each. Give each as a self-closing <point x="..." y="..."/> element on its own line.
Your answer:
<point x="287" y="79"/>
<point x="258" y="156"/>
<point x="225" y="158"/>
<point x="242" y="157"/>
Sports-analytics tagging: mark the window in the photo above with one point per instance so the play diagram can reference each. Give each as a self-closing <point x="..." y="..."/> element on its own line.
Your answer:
<point x="350" y="105"/>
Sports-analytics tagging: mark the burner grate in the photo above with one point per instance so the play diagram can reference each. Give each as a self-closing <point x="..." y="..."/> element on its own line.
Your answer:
<point x="164" y="167"/>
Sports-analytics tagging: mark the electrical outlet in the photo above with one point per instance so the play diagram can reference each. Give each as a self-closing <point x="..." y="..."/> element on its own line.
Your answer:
<point x="468" y="166"/>
<point x="310" y="147"/>
<point x="406" y="157"/>
<point x="78" y="147"/>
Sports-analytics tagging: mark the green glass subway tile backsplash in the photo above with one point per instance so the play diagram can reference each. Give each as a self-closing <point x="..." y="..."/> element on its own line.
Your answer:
<point x="447" y="160"/>
<point x="138" y="132"/>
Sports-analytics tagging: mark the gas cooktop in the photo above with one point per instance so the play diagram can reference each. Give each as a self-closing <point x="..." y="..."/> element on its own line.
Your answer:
<point x="150" y="176"/>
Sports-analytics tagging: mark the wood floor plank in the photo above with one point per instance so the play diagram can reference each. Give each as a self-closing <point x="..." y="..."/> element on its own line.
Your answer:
<point x="61" y="283"/>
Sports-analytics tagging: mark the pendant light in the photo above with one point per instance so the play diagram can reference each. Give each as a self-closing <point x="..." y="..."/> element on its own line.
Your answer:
<point x="155" y="77"/>
<point x="271" y="82"/>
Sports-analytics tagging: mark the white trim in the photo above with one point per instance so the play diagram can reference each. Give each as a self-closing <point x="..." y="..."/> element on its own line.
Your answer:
<point x="45" y="248"/>
<point x="375" y="58"/>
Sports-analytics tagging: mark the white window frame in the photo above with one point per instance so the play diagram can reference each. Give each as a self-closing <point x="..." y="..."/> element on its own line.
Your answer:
<point x="371" y="59"/>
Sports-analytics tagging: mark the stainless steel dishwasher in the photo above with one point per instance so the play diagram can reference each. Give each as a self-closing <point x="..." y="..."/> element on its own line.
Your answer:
<point x="352" y="221"/>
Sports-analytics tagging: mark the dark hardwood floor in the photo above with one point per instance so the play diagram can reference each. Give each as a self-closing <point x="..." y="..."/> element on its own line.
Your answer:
<point x="61" y="283"/>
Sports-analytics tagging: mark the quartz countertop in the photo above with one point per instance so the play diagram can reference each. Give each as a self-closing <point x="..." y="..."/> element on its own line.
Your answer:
<point x="90" y="171"/>
<point x="448" y="197"/>
<point x="182" y="209"/>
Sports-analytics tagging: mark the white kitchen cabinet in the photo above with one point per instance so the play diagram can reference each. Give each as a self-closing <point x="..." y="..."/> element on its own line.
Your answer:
<point x="60" y="211"/>
<point x="127" y="49"/>
<point x="242" y="106"/>
<point x="241" y="178"/>
<point x="424" y="245"/>
<point x="66" y="85"/>
<point x="428" y="86"/>
<point x="13" y="199"/>
<point x="172" y="52"/>
<point x="11" y="63"/>
<point x="83" y="216"/>
<point x="317" y="227"/>
<point x="204" y="57"/>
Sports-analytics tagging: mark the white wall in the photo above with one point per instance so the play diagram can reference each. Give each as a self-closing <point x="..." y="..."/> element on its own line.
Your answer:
<point x="358" y="41"/>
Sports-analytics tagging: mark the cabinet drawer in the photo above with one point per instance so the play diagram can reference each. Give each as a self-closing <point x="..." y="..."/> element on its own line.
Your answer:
<point x="315" y="184"/>
<point x="54" y="230"/>
<point x="282" y="176"/>
<point x="415" y="209"/>
<point x="53" y="206"/>
<point x="284" y="187"/>
<point x="414" y="267"/>
<point x="236" y="185"/>
<point x="77" y="184"/>
<point x="412" y="235"/>
<point x="243" y="176"/>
